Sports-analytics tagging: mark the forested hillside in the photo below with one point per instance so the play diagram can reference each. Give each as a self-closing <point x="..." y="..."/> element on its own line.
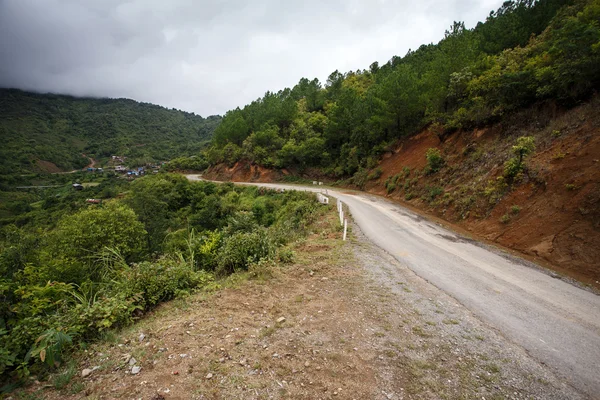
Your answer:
<point x="39" y="129"/>
<point x="526" y="52"/>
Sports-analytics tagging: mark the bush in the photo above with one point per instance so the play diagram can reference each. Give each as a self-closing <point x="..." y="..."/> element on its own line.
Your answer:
<point x="433" y="192"/>
<point x="435" y="161"/>
<point x="160" y="281"/>
<point x="243" y="248"/>
<point x="375" y="174"/>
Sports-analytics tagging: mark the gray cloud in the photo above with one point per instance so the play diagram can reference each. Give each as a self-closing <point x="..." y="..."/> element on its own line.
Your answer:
<point x="212" y="55"/>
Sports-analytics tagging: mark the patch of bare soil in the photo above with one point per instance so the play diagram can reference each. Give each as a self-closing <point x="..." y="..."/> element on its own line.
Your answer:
<point x="244" y="171"/>
<point x="343" y="321"/>
<point x="46" y="166"/>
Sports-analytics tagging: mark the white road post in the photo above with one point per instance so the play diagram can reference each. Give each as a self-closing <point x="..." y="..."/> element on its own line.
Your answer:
<point x="345" y="228"/>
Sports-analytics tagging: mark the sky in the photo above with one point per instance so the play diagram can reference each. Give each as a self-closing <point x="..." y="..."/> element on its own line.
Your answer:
<point x="209" y="56"/>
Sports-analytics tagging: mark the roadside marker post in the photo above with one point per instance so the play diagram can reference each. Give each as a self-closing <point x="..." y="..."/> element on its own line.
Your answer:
<point x="345" y="228"/>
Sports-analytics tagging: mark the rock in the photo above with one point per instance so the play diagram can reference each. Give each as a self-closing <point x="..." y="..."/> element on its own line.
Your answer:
<point x="307" y="364"/>
<point x="280" y="320"/>
<point x="136" y="370"/>
<point x="132" y="361"/>
<point x="142" y="337"/>
<point x="86" y="372"/>
<point x="209" y="376"/>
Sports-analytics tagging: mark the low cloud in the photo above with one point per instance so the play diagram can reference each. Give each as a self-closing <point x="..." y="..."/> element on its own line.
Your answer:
<point x="208" y="56"/>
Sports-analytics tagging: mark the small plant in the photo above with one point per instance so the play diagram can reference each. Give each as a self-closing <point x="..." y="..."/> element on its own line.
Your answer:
<point x="408" y="196"/>
<point x="435" y="161"/>
<point x="555" y="133"/>
<point x="515" y="210"/>
<point x="558" y="156"/>
<point x="433" y="192"/>
<point x="524" y="147"/>
<point x="505" y="219"/>
<point x="375" y="174"/>
<point x="571" y="187"/>
<point x="49" y="346"/>
<point x="286" y="255"/>
<point x="63" y="379"/>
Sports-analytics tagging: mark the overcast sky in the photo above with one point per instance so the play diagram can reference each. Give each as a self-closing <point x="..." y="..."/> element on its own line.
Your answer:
<point x="208" y="56"/>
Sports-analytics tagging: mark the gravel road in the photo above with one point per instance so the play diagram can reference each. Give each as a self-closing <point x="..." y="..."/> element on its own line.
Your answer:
<point x="556" y="322"/>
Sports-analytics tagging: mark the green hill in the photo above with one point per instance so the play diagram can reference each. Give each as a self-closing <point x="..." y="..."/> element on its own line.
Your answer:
<point x="526" y="52"/>
<point x="42" y="132"/>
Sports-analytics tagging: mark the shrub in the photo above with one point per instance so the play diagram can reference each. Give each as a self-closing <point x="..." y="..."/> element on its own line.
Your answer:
<point x="160" y="281"/>
<point x="505" y="219"/>
<point x="433" y="192"/>
<point x="286" y="255"/>
<point x="375" y="174"/>
<point x="435" y="161"/>
<point x="524" y="147"/>
<point x="515" y="210"/>
<point x="242" y="248"/>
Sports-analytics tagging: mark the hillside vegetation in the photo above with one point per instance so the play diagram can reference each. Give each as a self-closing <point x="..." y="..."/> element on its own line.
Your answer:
<point x="524" y="53"/>
<point x="48" y="133"/>
<point x="71" y="271"/>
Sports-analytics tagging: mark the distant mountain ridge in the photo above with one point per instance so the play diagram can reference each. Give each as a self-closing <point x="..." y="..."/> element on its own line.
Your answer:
<point x="42" y="130"/>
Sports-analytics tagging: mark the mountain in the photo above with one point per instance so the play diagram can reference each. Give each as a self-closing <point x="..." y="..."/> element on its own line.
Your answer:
<point x="50" y="132"/>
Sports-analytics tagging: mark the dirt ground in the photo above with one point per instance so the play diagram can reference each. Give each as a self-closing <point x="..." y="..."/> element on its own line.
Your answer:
<point x="344" y="320"/>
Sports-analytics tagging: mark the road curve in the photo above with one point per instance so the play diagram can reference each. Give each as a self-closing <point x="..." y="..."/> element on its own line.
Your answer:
<point x="556" y="322"/>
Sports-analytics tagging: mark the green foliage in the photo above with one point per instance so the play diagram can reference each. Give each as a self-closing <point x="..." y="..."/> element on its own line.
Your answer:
<point x="524" y="147"/>
<point x="375" y="174"/>
<point x="435" y="161"/>
<point x="243" y="248"/>
<point x="82" y="270"/>
<point x="505" y="219"/>
<point x="525" y="52"/>
<point x="193" y="163"/>
<point x="433" y="192"/>
<point x="155" y="282"/>
<point x="49" y="346"/>
<point x="59" y="129"/>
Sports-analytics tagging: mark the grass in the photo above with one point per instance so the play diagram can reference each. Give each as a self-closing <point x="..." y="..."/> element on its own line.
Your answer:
<point x="450" y="321"/>
<point x="61" y="380"/>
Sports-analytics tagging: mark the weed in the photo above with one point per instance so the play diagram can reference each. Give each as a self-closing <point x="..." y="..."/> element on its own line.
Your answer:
<point x="435" y="161"/>
<point x="77" y="387"/>
<point x="555" y="133"/>
<point x="375" y="174"/>
<point x="571" y="187"/>
<point x="433" y="192"/>
<point x="492" y="368"/>
<point x="515" y="210"/>
<point x="449" y="321"/>
<point x="505" y="219"/>
<point x="417" y="330"/>
<point x="63" y="379"/>
<point x="558" y="155"/>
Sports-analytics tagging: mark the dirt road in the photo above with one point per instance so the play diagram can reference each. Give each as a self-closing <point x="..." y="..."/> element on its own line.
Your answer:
<point x="554" y="321"/>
